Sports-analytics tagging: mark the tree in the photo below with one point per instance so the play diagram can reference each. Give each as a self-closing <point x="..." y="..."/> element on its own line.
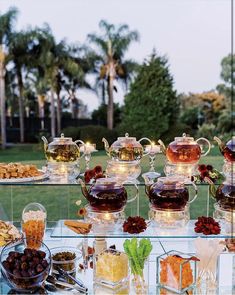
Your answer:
<point x="227" y="75"/>
<point x="100" y="114"/>
<point x="151" y="106"/>
<point x="113" y="44"/>
<point x="209" y="104"/>
<point x="75" y="69"/>
<point x="6" y="28"/>
<point x="20" y="49"/>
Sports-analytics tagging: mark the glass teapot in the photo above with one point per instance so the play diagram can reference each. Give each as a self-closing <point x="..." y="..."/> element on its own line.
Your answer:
<point x="228" y="149"/>
<point x="185" y="149"/>
<point x="106" y="195"/>
<point x="169" y="193"/>
<point x="126" y="148"/>
<point x="225" y="194"/>
<point x="62" y="149"/>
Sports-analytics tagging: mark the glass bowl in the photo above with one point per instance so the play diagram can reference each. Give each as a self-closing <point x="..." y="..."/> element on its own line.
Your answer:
<point x="21" y="280"/>
<point x="70" y="266"/>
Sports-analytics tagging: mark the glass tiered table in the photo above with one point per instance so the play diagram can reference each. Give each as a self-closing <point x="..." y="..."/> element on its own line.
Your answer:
<point x="60" y="203"/>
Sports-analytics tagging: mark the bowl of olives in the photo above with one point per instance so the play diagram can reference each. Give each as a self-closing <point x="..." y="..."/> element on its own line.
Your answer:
<point x="25" y="269"/>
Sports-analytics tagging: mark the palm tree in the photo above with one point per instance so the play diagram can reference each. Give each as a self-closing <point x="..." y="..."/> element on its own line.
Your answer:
<point x="75" y="70"/>
<point x="20" y="47"/>
<point x="113" y="44"/>
<point x="6" y="27"/>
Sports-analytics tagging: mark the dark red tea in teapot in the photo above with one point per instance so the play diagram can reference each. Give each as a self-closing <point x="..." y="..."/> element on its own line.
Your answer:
<point x="169" y="199"/>
<point x="106" y="195"/>
<point x="225" y="196"/>
<point x="168" y="193"/>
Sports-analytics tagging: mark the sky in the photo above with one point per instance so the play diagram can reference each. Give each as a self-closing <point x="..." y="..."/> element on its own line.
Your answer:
<point x="193" y="34"/>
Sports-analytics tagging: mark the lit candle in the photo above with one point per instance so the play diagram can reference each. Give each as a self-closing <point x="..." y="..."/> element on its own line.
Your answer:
<point x="152" y="148"/>
<point x="63" y="169"/>
<point x="107" y="216"/>
<point x="89" y="148"/>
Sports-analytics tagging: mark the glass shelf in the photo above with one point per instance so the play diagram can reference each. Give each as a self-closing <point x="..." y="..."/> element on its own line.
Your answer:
<point x="187" y="232"/>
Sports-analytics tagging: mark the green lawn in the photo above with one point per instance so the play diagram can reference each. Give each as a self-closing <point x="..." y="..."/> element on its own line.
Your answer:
<point x="60" y="200"/>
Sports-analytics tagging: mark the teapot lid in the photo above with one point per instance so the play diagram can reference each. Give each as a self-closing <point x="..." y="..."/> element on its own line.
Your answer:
<point x="126" y="138"/>
<point x="184" y="137"/>
<point x="231" y="143"/>
<point x="107" y="182"/>
<point x="170" y="181"/>
<point x="62" y="138"/>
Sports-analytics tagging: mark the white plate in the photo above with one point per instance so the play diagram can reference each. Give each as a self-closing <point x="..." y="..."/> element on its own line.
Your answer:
<point x="26" y="179"/>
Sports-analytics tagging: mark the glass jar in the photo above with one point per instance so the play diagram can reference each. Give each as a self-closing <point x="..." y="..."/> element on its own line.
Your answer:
<point x="66" y="258"/>
<point x="34" y="224"/>
<point x="126" y="148"/>
<point x="185" y="149"/>
<point x="111" y="268"/>
<point x="169" y="193"/>
<point x="176" y="272"/>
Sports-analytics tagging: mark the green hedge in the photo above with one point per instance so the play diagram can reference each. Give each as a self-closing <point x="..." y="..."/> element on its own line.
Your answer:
<point x="93" y="134"/>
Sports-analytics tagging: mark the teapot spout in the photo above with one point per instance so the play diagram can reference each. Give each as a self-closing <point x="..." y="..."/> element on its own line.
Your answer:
<point x="162" y="146"/>
<point x="220" y="143"/>
<point x="84" y="189"/>
<point x="106" y="145"/>
<point x="45" y="143"/>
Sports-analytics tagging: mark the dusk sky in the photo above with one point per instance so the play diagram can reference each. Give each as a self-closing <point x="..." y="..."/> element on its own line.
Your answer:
<point x="193" y="34"/>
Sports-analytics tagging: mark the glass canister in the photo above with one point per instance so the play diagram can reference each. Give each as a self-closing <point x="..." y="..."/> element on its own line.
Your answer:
<point x="34" y="224"/>
<point x="111" y="268"/>
<point x="176" y="272"/>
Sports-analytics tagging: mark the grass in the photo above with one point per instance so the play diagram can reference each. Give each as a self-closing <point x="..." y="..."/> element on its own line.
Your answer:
<point x="60" y="200"/>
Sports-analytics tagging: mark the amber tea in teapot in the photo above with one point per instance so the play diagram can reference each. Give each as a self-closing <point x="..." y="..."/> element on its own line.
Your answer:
<point x="185" y="149"/>
<point x="62" y="149"/>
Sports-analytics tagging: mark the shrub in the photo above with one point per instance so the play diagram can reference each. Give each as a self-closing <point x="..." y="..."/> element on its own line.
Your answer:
<point x="207" y="130"/>
<point x="74" y="132"/>
<point x="225" y="122"/>
<point x="190" y="117"/>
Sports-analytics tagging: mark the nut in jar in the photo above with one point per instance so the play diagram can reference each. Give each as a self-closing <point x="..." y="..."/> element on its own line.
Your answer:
<point x="34" y="224"/>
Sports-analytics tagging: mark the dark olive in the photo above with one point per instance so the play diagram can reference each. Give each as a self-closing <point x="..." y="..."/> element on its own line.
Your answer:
<point x="39" y="268"/>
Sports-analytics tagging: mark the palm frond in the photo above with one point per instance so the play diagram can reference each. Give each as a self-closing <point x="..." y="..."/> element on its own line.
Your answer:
<point x="6" y="24"/>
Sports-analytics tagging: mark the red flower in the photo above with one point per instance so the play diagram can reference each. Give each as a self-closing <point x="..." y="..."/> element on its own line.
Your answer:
<point x="98" y="169"/>
<point x="209" y="167"/>
<point x="202" y="167"/>
<point x="204" y="174"/>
